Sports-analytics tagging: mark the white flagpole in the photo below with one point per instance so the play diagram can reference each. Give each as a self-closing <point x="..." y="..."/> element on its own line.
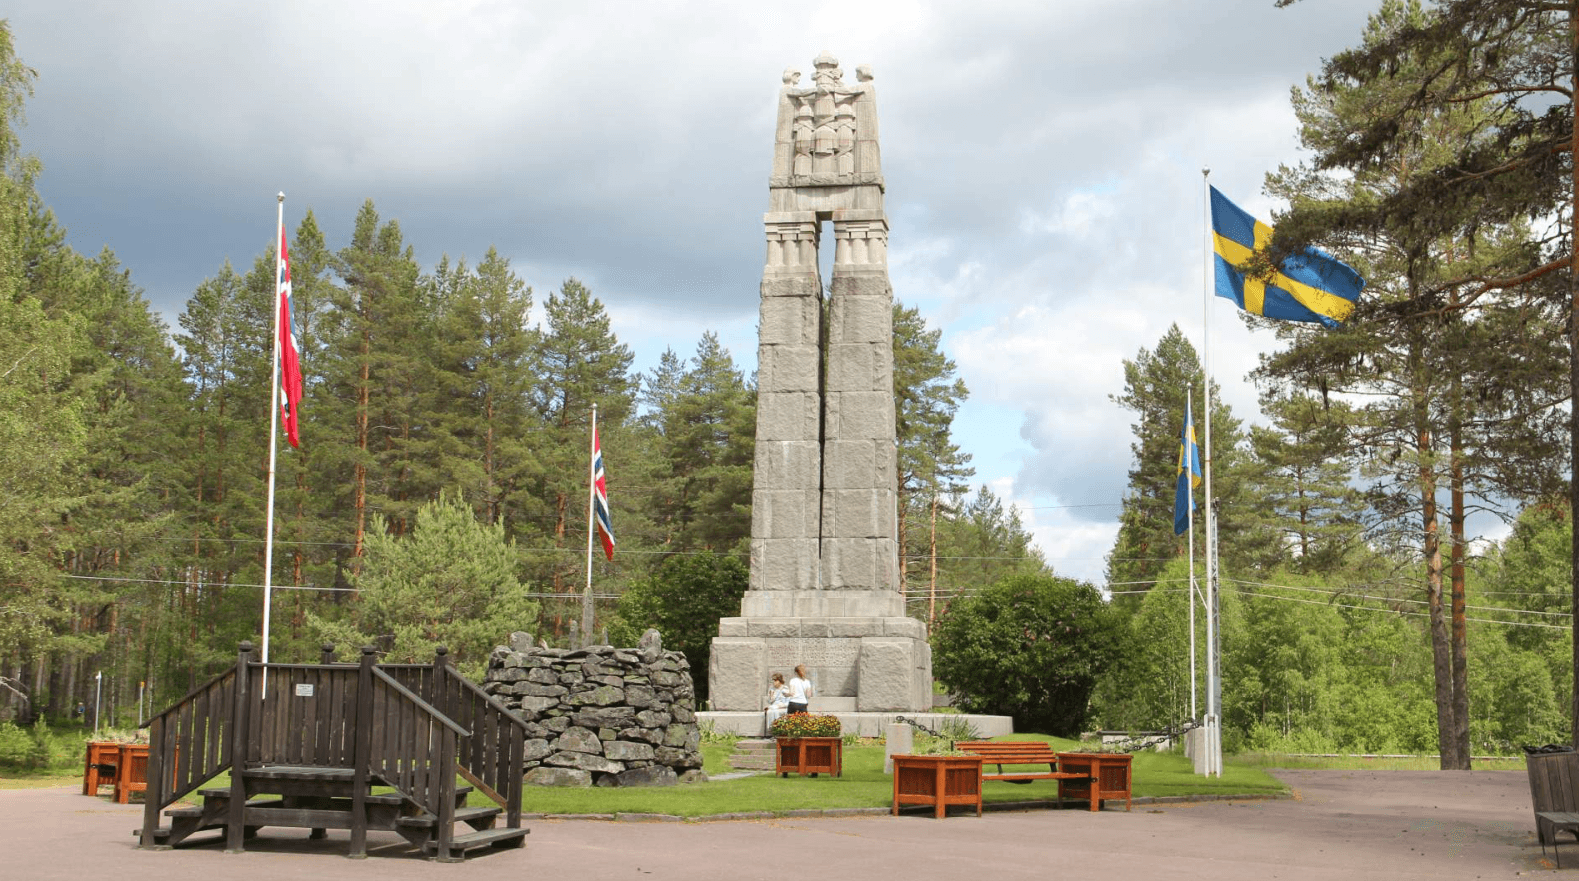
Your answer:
<point x="274" y="416"/>
<point x="1214" y="755"/>
<point x="1188" y="394"/>
<point x="592" y="490"/>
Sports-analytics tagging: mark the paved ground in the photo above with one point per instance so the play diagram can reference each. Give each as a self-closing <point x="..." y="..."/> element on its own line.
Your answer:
<point x="1350" y="825"/>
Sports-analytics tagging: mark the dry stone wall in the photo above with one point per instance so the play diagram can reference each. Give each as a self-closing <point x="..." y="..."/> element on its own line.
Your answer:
<point x="601" y="715"/>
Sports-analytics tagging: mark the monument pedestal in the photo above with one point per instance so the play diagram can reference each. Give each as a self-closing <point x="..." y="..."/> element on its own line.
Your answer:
<point x="859" y="664"/>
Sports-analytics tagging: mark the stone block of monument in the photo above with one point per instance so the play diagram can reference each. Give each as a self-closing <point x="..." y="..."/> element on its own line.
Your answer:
<point x="825" y="587"/>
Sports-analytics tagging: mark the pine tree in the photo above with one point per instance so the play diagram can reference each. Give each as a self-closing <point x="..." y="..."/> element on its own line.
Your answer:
<point x="1506" y="60"/>
<point x="1471" y="425"/>
<point x="478" y="438"/>
<point x="449" y="580"/>
<point x="375" y="335"/>
<point x="932" y="469"/>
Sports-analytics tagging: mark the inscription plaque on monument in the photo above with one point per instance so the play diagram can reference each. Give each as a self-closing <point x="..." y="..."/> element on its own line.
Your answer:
<point x="787" y="653"/>
<point x="824" y="588"/>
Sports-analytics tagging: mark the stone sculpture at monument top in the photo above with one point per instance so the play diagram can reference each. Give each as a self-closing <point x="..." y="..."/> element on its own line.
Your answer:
<point x="825" y="587"/>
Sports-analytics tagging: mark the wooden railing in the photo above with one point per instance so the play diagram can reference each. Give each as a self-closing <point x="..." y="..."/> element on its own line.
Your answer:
<point x="301" y="714"/>
<point x="492" y="756"/>
<point x="189" y="743"/>
<point x="412" y="745"/>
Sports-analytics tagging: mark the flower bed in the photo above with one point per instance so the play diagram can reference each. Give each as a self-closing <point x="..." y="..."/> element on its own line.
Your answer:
<point x="809" y="756"/>
<point x="805" y="725"/>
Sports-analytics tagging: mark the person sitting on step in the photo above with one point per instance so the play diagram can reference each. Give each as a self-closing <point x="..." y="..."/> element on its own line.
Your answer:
<point x="778" y="700"/>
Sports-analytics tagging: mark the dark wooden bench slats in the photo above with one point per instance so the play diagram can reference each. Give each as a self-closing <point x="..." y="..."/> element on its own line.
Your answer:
<point x="1003" y="753"/>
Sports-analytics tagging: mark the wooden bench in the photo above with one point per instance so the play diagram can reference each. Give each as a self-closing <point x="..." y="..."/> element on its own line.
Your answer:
<point x="1022" y="753"/>
<point x="1559" y="821"/>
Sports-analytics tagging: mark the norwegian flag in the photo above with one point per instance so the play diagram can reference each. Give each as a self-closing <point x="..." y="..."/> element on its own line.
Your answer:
<point x="290" y="352"/>
<point x="600" y="498"/>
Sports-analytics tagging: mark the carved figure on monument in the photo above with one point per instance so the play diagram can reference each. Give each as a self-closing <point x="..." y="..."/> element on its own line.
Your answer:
<point x="824" y="526"/>
<point x="844" y="128"/>
<point x="804" y="132"/>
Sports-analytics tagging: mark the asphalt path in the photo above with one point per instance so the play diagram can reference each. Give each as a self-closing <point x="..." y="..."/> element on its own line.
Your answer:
<point x="1350" y="825"/>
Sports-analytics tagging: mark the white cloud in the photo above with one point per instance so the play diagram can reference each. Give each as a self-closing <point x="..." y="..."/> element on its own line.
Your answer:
<point x="1041" y="159"/>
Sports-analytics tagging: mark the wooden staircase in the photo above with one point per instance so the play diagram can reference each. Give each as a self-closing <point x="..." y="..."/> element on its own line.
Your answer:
<point x="339" y="746"/>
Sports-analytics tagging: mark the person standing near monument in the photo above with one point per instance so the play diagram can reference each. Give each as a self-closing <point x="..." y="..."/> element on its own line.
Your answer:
<point x="800" y="690"/>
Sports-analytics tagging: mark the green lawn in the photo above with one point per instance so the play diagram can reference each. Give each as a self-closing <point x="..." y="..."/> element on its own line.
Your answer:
<point x="863" y="784"/>
<point x="1370" y="763"/>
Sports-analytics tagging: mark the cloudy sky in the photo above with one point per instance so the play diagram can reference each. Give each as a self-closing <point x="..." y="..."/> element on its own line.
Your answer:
<point x="1043" y="167"/>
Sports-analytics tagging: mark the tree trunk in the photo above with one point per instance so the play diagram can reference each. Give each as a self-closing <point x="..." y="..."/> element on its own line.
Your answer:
<point x="360" y="503"/>
<point x="1459" y="647"/>
<point x="1441" y="648"/>
<point x="932" y="574"/>
<point x="904" y="568"/>
<point x="1573" y="350"/>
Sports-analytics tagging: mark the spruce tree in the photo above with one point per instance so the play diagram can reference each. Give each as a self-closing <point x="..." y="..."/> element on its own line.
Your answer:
<point x="580" y="362"/>
<point x="704" y="417"/>
<point x="1154" y="389"/>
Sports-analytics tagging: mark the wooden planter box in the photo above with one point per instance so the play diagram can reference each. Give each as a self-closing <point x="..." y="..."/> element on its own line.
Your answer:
<point x="1107" y="776"/>
<point x="103" y="761"/>
<point x="809" y="756"/>
<point x="134" y="771"/>
<point x="939" y="781"/>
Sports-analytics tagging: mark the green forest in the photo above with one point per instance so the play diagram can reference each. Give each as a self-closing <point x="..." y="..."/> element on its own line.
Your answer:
<point x="439" y="494"/>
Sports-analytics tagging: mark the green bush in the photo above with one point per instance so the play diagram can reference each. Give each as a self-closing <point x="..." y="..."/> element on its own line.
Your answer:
<point x="25" y="749"/>
<point x="683" y="600"/>
<point x="1031" y="647"/>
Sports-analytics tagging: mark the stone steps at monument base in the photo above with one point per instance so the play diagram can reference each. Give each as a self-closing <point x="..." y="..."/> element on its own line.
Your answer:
<point x="752" y="755"/>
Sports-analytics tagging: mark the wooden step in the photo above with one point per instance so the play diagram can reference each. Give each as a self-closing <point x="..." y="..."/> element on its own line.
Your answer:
<point x="266" y="802"/>
<point x="462" y="815"/>
<point x="302" y="818"/>
<point x="299" y="772"/>
<point x="325" y="802"/>
<point x="480" y="839"/>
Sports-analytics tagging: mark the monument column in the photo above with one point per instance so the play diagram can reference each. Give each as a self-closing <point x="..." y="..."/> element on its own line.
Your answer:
<point x="824" y="586"/>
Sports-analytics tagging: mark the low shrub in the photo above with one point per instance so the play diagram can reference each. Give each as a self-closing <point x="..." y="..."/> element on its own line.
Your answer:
<point x="23" y="749"/>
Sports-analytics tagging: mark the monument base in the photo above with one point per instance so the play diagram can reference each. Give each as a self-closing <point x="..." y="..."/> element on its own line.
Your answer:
<point x="862" y="724"/>
<point x="864" y="665"/>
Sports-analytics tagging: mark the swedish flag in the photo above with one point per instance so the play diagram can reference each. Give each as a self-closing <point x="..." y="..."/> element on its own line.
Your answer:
<point x="1189" y="476"/>
<point x="1309" y="285"/>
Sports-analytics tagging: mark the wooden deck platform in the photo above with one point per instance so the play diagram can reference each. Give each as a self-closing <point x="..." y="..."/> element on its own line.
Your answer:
<point x="338" y="746"/>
